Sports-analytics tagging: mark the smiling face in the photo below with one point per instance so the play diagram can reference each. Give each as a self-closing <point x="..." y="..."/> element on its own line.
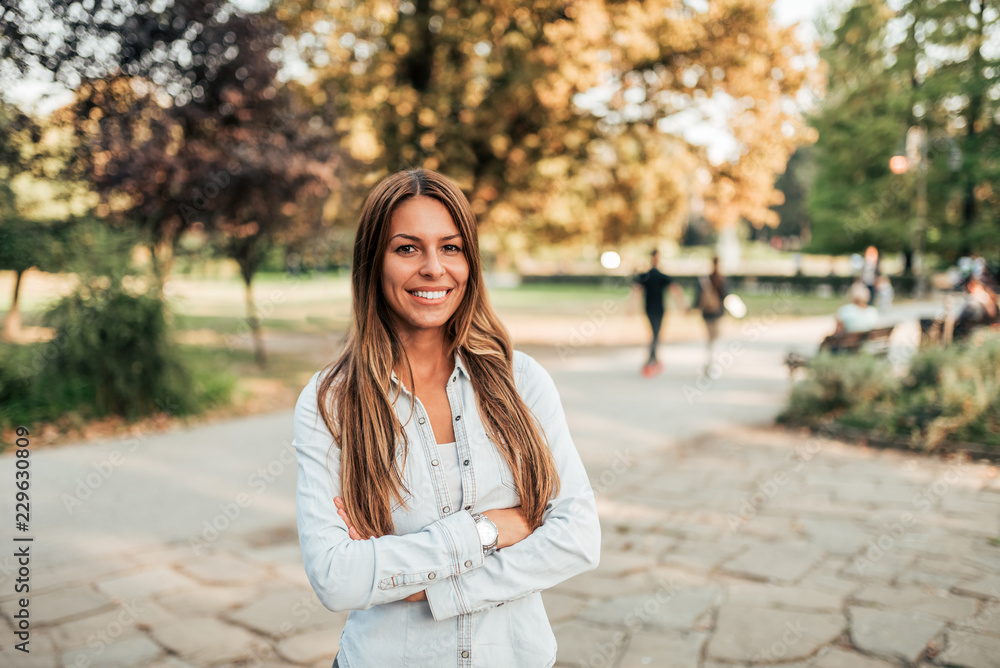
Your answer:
<point x="424" y="269"/>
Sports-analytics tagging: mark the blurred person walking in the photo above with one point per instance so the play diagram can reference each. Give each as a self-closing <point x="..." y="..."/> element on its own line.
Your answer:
<point x="654" y="284"/>
<point x="710" y="293"/>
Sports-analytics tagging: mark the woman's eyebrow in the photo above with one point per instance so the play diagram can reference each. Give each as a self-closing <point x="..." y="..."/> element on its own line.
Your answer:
<point x="413" y="238"/>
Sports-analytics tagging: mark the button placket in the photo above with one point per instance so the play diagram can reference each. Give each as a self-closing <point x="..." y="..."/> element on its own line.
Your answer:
<point x="436" y="472"/>
<point x="464" y="450"/>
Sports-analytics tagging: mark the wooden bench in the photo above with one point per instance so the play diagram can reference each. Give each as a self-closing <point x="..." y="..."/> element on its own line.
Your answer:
<point x="872" y="341"/>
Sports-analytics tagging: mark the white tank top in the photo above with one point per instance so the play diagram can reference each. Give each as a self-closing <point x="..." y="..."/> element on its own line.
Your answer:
<point x="452" y="471"/>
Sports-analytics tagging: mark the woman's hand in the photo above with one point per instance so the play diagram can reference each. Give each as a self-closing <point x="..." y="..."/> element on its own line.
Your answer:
<point x="511" y="525"/>
<point x="342" y="511"/>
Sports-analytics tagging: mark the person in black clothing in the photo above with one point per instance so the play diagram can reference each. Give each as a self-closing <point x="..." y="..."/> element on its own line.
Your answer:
<point x="654" y="283"/>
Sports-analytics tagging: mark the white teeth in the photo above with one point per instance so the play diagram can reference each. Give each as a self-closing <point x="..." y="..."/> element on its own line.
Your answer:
<point x="430" y="295"/>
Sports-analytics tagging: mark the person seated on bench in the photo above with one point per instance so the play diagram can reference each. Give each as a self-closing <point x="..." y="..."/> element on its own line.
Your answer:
<point x="981" y="309"/>
<point x="857" y="316"/>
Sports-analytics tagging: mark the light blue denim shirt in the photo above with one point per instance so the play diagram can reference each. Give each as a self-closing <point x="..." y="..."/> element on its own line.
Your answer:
<point x="480" y="612"/>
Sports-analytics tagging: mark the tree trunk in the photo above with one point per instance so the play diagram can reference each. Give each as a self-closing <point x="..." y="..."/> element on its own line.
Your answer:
<point x="163" y="264"/>
<point x="253" y="320"/>
<point x="12" y="323"/>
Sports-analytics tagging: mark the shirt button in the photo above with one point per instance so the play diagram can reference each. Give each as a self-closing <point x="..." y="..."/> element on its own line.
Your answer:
<point x="421" y="420"/>
<point x="468" y="564"/>
<point x="446" y="509"/>
<point x="465" y="654"/>
<point x="499" y="604"/>
<point x="431" y="576"/>
<point x="434" y="462"/>
<point x="466" y="462"/>
<point x="468" y="507"/>
<point x="457" y="418"/>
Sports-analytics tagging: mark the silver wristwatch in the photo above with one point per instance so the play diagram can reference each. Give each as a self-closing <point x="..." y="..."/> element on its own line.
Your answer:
<point x="489" y="535"/>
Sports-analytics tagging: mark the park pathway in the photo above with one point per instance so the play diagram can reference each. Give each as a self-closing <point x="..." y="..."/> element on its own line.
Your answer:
<point x="727" y="542"/>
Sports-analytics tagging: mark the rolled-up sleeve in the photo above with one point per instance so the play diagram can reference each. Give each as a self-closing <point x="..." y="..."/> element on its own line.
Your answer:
<point x="351" y="574"/>
<point x="567" y="543"/>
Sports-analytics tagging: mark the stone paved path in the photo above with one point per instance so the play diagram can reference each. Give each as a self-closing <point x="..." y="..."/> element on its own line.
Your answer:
<point x="726" y="543"/>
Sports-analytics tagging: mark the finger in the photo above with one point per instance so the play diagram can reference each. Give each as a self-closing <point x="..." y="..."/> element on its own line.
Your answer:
<point x="339" y="502"/>
<point x="353" y="533"/>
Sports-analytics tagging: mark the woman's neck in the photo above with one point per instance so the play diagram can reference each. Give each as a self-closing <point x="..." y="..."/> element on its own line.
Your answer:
<point x="427" y="355"/>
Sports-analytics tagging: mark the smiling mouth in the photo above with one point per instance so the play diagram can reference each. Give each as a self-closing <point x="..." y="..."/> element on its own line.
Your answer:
<point x="429" y="296"/>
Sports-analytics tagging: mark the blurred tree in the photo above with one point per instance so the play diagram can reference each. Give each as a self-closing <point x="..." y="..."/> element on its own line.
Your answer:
<point x="184" y="122"/>
<point x="794" y="184"/>
<point x="855" y="200"/>
<point x="24" y="242"/>
<point x="892" y="68"/>
<point x="553" y="115"/>
<point x="959" y="72"/>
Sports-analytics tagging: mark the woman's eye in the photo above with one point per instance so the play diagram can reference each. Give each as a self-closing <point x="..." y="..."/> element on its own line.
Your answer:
<point x="405" y="249"/>
<point x="452" y="248"/>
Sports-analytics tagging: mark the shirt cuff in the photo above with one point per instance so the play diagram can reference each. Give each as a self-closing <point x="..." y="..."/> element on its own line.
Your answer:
<point x="445" y="599"/>
<point x="467" y="547"/>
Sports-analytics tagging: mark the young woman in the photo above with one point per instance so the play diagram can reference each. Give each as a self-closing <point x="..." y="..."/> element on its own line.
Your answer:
<point x="439" y="489"/>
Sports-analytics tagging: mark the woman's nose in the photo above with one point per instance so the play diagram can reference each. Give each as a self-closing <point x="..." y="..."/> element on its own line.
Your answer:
<point x="432" y="265"/>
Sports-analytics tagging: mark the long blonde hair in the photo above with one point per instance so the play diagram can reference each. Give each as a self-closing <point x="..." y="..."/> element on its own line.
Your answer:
<point x="356" y="399"/>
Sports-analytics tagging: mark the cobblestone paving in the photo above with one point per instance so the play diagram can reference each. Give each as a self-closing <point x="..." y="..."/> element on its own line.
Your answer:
<point x="744" y="546"/>
<point x="753" y="546"/>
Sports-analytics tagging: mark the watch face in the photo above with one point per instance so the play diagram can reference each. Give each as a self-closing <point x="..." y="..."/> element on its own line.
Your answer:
<point x="487" y="531"/>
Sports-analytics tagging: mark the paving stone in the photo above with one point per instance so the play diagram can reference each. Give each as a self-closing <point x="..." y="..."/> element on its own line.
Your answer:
<point x="594" y="585"/>
<point x="208" y="600"/>
<point x="757" y="595"/>
<point x="584" y="645"/>
<point x="892" y="634"/>
<point x="58" y="605"/>
<point x="651" y="544"/>
<point x="877" y="565"/>
<point x="987" y="588"/>
<point x="293" y="574"/>
<point x="164" y="555"/>
<point x="289" y="553"/>
<point x="134" y="650"/>
<point x="835" y="536"/>
<point x="81" y="572"/>
<point x="222" y="569"/>
<point x="156" y="580"/>
<point x="560" y="607"/>
<point x="206" y="640"/>
<point x="834" y="657"/>
<point x="970" y="650"/>
<point x="668" y="609"/>
<point x="128" y="618"/>
<point x="917" y="600"/>
<point x="170" y="662"/>
<point x="987" y="559"/>
<point x="786" y="562"/>
<point x="310" y="647"/>
<point x="700" y="557"/>
<point x="283" y="612"/>
<point x="766" y="635"/>
<point x="617" y="564"/>
<point x="681" y="650"/>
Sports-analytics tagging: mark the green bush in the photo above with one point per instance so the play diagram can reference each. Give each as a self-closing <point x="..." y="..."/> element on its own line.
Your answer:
<point x="110" y="356"/>
<point x="949" y="395"/>
<point x="838" y="384"/>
